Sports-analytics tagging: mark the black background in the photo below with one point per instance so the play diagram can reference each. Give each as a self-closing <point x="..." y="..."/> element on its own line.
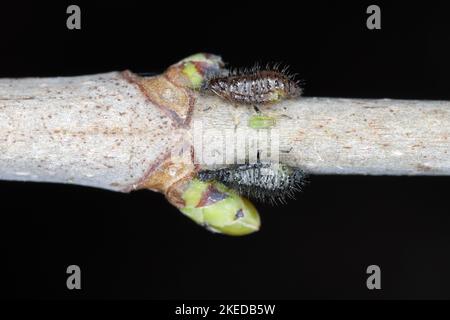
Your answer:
<point x="319" y="245"/>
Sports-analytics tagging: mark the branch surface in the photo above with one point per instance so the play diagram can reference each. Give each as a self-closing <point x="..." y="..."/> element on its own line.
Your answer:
<point x="121" y="132"/>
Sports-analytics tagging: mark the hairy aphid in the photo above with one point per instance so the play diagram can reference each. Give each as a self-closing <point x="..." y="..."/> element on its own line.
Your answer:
<point x="254" y="86"/>
<point x="266" y="182"/>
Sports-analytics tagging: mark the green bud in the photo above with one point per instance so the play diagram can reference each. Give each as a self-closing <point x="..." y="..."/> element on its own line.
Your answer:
<point x="219" y="208"/>
<point x="196" y="66"/>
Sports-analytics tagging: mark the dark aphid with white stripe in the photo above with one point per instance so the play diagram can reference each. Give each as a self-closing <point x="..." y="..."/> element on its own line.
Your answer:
<point x="265" y="182"/>
<point x="254" y="86"/>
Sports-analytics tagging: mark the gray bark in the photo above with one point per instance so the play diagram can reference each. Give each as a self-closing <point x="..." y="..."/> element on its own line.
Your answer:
<point x="102" y="131"/>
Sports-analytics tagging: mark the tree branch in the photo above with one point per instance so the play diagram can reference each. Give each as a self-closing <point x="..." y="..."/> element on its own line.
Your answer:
<point x="350" y="136"/>
<point x="121" y="132"/>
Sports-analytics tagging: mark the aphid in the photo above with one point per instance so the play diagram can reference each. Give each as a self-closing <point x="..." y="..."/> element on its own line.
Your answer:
<point x="266" y="182"/>
<point x="254" y="86"/>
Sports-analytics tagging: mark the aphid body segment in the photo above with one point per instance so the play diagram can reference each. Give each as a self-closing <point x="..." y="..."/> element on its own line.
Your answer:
<point x="266" y="182"/>
<point x="254" y="86"/>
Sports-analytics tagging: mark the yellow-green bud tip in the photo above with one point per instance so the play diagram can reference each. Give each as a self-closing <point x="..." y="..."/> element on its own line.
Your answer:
<point x="220" y="209"/>
<point x="196" y="66"/>
<point x="194" y="76"/>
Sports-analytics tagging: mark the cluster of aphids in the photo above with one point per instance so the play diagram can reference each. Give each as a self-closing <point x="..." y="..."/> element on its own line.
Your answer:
<point x="254" y="86"/>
